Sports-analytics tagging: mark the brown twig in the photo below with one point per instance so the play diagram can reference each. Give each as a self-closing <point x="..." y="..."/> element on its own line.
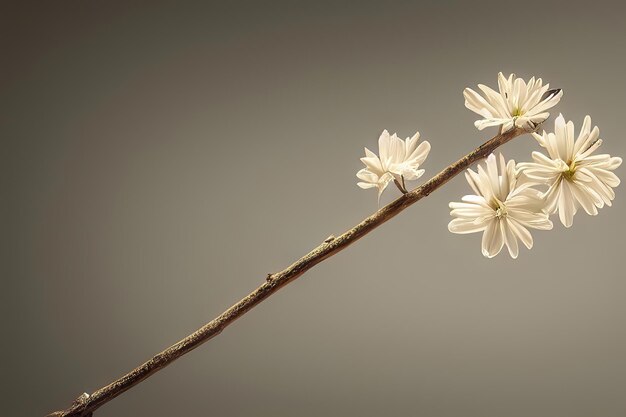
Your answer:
<point x="88" y="403"/>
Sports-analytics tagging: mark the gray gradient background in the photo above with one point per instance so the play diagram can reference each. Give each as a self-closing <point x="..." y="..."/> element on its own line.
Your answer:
<point x="158" y="161"/>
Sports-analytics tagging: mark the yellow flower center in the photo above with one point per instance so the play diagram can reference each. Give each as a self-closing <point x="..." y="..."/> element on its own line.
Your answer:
<point x="499" y="208"/>
<point x="517" y="112"/>
<point x="569" y="173"/>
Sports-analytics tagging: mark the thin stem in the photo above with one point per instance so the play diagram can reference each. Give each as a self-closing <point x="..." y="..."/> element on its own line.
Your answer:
<point x="87" y="403"/>
<point x="400" y="186"/>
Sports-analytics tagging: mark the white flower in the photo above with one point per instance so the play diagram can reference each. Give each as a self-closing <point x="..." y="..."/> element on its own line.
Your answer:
<point x="575" y="178"/>
<point x="517" y="104"/>
<point x="398" y="160"/>
<point x="502" y="208"/>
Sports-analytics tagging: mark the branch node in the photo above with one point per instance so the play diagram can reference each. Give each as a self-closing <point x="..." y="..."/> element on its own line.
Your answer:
<point x="329" y="239"/>
<point x="81" y="399"/>
<point x="268" y="278"/>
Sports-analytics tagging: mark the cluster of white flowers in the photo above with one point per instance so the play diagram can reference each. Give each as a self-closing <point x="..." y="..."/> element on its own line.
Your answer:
<point x="573" y="175"/>
<point x="511" y="198"/>
<point x="502" y="208"/>
<point x="518" y="103"/>
<point x="399" y="161"/>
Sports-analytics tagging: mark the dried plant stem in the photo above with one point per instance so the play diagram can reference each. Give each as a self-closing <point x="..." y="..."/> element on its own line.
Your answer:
<point x="87" y="403"/>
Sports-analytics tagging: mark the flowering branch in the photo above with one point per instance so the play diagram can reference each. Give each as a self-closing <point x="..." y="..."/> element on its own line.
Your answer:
<point x="86" y="404"/>
<point x="504" y="204"/>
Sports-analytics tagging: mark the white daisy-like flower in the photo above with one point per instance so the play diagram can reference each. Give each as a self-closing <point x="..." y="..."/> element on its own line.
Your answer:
<point x="502" y="208"/>
<point x="518" y="104"/>
<point x="574" y="176"/>
<point x="399" y="160"/>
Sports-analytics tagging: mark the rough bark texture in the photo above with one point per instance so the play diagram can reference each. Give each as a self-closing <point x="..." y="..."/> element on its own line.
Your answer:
<point x="85" y="405"/>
